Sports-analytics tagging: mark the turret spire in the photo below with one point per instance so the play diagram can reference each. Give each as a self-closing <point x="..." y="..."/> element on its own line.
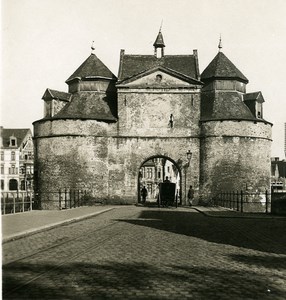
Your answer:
<point x="159" y="43"/>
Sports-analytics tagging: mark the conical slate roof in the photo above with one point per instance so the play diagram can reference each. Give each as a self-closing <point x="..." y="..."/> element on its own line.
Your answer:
<point x="92" y="67"/>
<point x="89" y="105"/>
<point x="222" y="68"/>
<point x="159" y="42"/>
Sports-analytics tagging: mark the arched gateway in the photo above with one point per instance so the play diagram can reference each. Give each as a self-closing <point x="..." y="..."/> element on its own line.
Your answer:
<point x="155" y="170"/>
<point x="99" y="134"/>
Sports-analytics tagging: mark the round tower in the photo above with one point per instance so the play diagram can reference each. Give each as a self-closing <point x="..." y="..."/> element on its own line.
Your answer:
<point x="71" y="153"/>
<point x="235" y="138"/>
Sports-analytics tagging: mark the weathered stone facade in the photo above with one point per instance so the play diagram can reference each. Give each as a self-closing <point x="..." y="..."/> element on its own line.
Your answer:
<point x="108" y="127"/>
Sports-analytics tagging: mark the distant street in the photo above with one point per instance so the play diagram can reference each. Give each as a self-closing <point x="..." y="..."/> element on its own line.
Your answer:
<point x="150" y="253"/>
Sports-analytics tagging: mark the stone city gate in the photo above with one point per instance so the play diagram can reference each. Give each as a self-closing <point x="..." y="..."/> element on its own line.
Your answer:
<point x="98" y="135"/>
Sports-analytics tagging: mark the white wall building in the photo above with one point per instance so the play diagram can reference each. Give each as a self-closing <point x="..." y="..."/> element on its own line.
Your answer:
<point x="17" y="159"/>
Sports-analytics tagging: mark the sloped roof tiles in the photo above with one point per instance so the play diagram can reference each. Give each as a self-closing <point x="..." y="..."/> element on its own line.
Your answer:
<point x="18" y="133"/>
<point x="92" y="67"/>
<point x="132" y="65"/>
<point x="222" y="67"/>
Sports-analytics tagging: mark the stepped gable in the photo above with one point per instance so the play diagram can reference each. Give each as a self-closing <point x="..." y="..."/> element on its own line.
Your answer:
<point x="91" y="68"/>
<point x="222" y="68"/>
<point x="131" y="65"/>
<point x="89" y="105"/>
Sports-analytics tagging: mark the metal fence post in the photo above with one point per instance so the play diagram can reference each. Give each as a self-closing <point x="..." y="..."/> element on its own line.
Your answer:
<point x="237" y="201"/>
<point x="241" y="201"/>
<point x="60" y="199"/>
<point x="70" y="194"/>
<point x="14" y="204"/>
<point x="23" y="202"/>
<point x="31" y="200"/>
<point x="65" y="198"/>
<point x="266" y="199"/>
<point x="4" y="204"/>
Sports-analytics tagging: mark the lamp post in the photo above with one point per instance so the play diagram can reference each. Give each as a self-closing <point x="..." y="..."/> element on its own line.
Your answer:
<point x="186" y="166"/>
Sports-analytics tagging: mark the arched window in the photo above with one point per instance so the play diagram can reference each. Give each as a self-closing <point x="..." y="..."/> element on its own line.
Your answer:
<point x="23" y="185"/>
<point x="13" y="185"/>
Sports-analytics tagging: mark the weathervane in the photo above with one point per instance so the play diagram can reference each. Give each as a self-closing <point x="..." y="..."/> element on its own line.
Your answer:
<point x="220" y="44"/>
<point x="92" y="47"/>
<point x="161" y="25"/>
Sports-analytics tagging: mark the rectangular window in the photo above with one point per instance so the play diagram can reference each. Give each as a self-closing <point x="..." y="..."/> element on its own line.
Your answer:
<point x="149" y="173"/>
<point x="13" y="169"/>
<point x="2" y="155"/>
<point x="2" y="169"/>
<point x="13" y="155"/>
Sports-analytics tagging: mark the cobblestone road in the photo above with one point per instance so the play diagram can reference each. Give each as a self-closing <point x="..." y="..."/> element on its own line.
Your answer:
<point x="150" y="253"/>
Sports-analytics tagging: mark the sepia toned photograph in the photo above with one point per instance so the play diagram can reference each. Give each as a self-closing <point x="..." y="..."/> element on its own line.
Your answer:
<point x="143" y="149"/>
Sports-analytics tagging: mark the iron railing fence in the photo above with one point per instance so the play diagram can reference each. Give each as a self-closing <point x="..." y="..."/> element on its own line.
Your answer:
<point x="244" y="201"/>
<point x="64" y="199"/>
<point x="16" y="201"/>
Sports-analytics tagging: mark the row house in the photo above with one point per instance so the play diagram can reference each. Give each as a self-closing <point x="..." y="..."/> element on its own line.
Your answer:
<point x="278" y="174"/>
<point x="17" y="159"/>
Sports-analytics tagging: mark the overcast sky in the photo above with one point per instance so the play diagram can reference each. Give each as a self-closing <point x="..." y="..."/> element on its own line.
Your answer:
<point x="45" y="41"/>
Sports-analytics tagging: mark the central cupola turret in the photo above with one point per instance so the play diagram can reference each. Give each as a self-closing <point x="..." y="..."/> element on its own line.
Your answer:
<point x="159" y="44"/>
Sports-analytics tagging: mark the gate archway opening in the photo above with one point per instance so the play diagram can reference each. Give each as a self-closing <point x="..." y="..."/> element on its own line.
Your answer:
<point x="153" y="171"/>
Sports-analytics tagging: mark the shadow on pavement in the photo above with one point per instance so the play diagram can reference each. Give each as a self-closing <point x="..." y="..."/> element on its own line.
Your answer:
<point x="134" y="281"/>
<point x="267" y="235"/>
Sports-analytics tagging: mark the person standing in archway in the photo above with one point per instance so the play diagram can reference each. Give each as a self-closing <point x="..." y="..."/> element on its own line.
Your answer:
<point x="144" y="194"/>
<point x="191" y="195"/>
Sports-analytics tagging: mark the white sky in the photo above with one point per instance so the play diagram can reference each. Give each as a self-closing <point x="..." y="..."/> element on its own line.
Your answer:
<point x="45" y="41"/>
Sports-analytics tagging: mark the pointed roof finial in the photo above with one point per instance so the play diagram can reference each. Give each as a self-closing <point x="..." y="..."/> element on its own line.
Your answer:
<point x="220" y="44"/>
<point x="92" y="47"/>
<point x="161" y="26"/>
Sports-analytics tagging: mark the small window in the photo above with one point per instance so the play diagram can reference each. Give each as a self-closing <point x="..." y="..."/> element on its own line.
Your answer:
<point x="158" y="78"/>
<point x="2" y="155"/>
<point x="13" y="141"/>
<point x="2" y="169"/>
<point x="13" y="157"/>
<point x="13" y="169"/>
<point x="149" y="173"/>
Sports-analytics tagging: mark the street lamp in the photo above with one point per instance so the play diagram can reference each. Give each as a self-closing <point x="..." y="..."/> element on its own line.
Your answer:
<point x="189" y="157"/>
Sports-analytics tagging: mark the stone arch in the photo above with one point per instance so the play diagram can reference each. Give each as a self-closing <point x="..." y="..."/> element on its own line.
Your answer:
<point x="164" y="157"/>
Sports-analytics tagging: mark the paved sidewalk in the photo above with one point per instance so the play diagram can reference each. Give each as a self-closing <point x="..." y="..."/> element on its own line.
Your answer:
<point x="18" y="225"/>
<point x="221" y="212"/>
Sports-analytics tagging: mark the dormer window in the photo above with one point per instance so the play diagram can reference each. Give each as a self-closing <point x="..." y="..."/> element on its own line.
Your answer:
<point x="13" y="141"/>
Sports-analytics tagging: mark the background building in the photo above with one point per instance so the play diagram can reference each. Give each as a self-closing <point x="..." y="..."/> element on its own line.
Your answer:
<point x="278" y="174"/>
<point x="155" y="171"/>
<point x="17" y="159"/>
